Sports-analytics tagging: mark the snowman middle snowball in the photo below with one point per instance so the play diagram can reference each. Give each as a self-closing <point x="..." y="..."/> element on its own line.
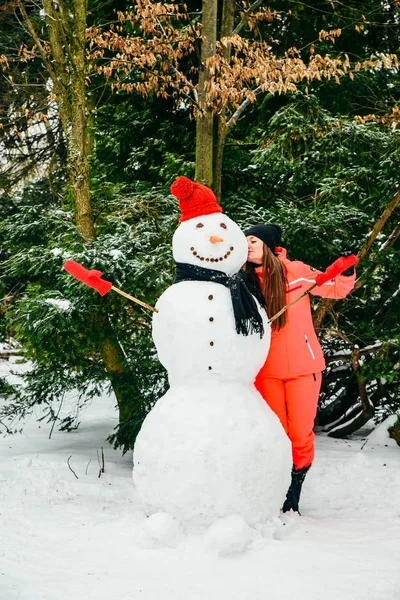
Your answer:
<point x="211" y="447"/>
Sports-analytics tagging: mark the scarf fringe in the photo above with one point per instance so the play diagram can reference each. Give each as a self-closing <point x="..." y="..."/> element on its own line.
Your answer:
<point x="249" y="327"/>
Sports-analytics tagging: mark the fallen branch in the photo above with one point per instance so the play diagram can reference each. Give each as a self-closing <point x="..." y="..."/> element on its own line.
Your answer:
<point x="7" y="353"/>
<point x="70" y="468"/>
<point x="56" y="417"/>
<point x="346" y="356"/>
<point x="101" y="464"/>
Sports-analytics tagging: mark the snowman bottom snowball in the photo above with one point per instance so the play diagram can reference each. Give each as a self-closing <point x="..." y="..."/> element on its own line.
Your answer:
<point x="208" y="453"/>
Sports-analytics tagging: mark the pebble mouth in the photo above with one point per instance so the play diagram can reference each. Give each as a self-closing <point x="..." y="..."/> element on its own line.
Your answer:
<point x="212" y="260"/>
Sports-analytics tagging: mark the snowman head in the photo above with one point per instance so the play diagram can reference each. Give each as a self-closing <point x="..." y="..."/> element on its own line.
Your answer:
<point x="206" y="237"/>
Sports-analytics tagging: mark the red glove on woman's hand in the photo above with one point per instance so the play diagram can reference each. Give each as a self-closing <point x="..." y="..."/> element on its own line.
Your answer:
<point x="350" y="270"/>
<point x="341" y="265"/>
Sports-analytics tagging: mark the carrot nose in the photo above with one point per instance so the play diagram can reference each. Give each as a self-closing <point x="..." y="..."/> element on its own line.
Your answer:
<point x="214" y="239"/>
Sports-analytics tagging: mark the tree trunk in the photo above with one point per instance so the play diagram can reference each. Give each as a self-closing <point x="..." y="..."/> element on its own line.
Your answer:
<point x="220" y="128"/>
<point x="220" y="132"/>
<point x="204" y="120"/>
<point x="67" y="69"/>
<point x="68" y="40"/>
<point x="116" y="367"/>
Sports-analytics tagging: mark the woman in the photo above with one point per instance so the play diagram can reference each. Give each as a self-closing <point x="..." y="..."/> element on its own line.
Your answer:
<point x="290" y="379"/>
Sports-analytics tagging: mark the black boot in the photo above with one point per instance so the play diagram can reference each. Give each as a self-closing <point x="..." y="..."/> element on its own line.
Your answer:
<point x="294" y="491"/>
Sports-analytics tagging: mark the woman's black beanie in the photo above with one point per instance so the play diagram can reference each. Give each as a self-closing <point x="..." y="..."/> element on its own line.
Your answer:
<point x="270" y="234"/>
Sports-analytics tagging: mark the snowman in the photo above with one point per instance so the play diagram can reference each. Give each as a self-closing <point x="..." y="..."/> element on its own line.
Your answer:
<point x="211" y="447"/>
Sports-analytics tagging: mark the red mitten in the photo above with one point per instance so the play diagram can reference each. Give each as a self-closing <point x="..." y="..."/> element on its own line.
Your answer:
<point x="340" y="265"/>
<point x="90" y="278"/>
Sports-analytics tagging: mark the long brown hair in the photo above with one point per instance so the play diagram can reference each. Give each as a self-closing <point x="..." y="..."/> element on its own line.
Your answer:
<point x="273" y="285"/>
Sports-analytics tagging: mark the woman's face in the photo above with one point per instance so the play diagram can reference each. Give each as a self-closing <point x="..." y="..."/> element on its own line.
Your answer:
<point x="255" y="251"/>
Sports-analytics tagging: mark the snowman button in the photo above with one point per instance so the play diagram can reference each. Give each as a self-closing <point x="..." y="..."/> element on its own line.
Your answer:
<point x="209" y="368"/>
<point x="211" y="319"/>
<point x="211" y="343"/>
<point x="210" y="297"/>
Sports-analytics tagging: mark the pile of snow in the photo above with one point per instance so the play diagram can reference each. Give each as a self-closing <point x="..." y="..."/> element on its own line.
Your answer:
<point x="90" y="538"/>
<point x="380" y="435"/>
<point x="61" y="304"/>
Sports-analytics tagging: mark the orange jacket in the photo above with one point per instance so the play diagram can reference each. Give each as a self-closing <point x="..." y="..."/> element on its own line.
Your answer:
<point x="295" y="349"/>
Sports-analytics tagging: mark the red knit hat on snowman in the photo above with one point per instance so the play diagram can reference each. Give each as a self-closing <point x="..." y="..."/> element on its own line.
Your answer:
<point x="194" y="198"/>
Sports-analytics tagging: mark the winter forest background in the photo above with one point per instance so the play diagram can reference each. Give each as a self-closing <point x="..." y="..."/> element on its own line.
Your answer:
<point x="288" y="110"/>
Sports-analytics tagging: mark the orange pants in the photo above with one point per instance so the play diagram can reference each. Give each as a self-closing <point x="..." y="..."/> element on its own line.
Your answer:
<point x="295" y="403"/>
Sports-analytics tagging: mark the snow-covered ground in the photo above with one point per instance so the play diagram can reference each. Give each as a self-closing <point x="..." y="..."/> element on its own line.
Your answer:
<point x="85" y="537"/>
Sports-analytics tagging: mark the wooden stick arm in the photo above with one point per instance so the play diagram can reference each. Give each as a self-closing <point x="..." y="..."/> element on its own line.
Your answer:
<point x="337" y="267"/>
<point x="278" y="314"/>
<point x="134" y="299"/>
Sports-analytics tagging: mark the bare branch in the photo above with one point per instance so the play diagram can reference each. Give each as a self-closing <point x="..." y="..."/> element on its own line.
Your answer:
<point x="238" y="112"/>
<point x="379" y="226"/>
<point x="188" y="83"/>
<point x="327" y="304"/>
<point x="387" y="244"/>
<point x="36" y="39"/>
<point x="246" y="15"/>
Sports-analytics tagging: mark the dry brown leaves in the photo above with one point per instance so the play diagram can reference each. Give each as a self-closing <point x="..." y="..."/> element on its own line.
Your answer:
<point x="149" y="57"/>
<point x="391" y="119"/>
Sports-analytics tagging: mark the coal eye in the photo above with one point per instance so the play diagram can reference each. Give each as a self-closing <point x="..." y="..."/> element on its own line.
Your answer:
<point x="223" y="225"/>
<point x="199" y="225"/>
